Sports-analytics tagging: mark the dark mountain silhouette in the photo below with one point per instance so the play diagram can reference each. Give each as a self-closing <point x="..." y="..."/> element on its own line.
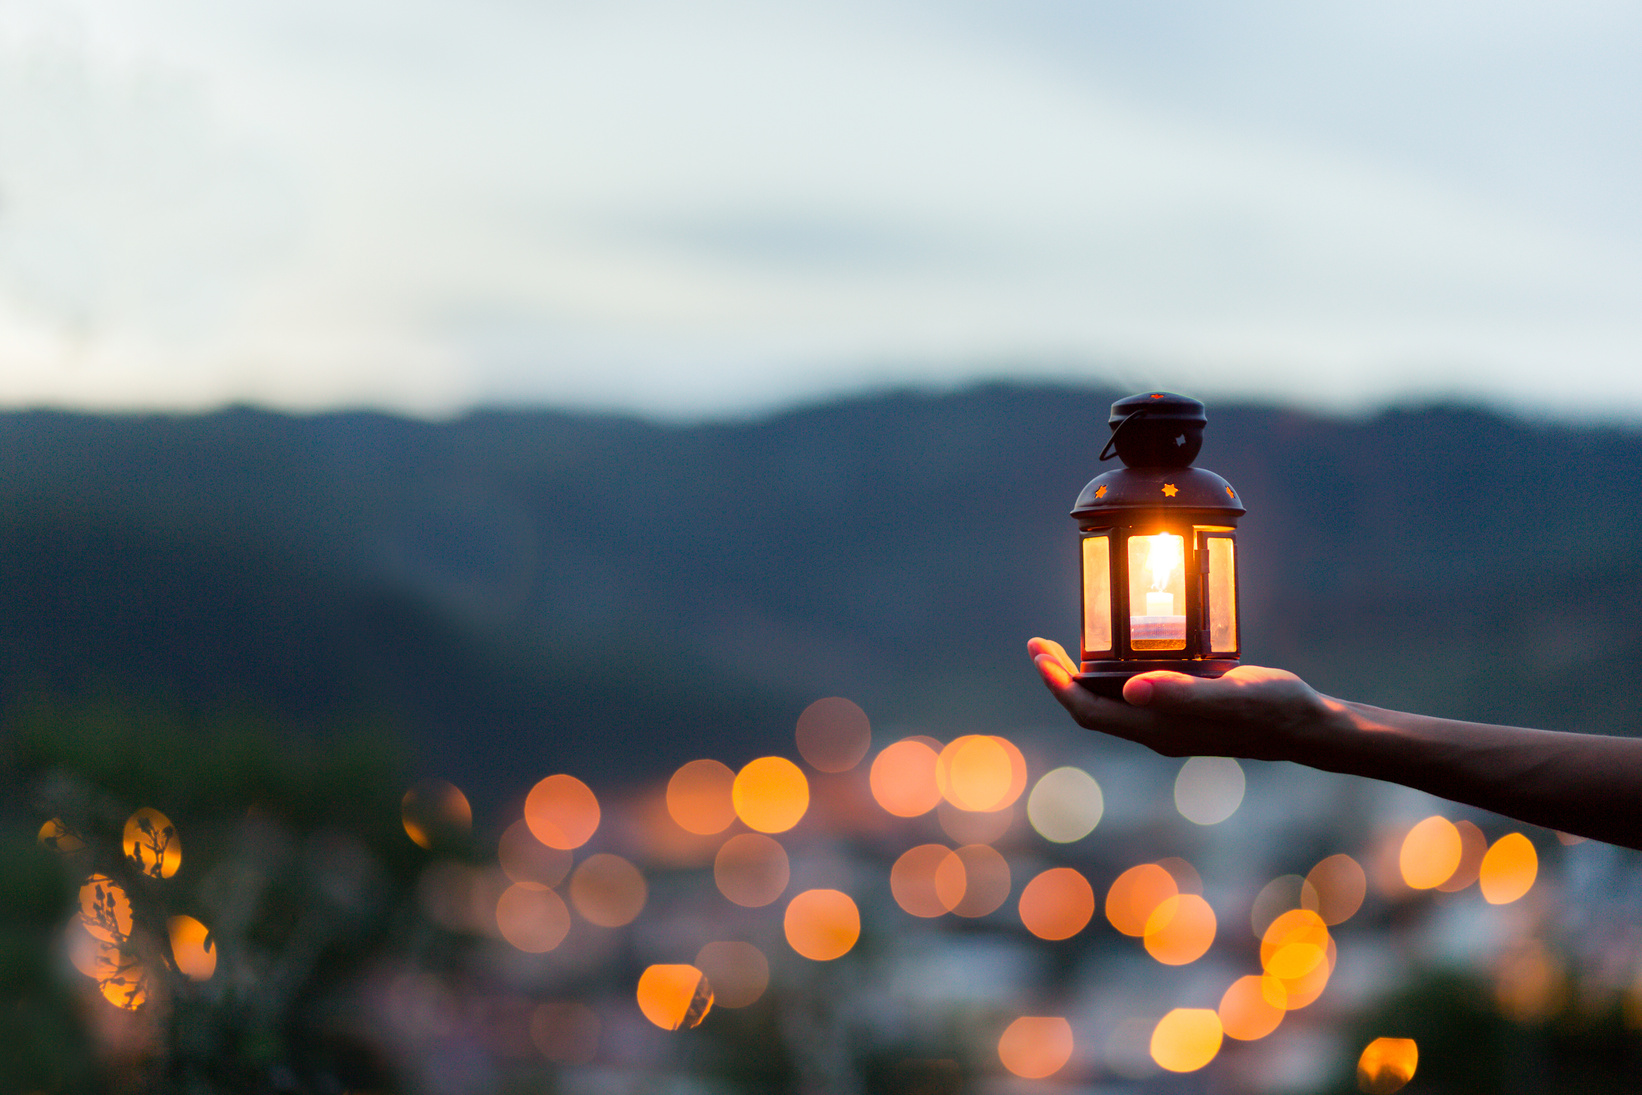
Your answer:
<point x="532" y="591"/>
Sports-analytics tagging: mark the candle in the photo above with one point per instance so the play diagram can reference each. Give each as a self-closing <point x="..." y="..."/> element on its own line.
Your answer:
<point x="1159" y="604"/>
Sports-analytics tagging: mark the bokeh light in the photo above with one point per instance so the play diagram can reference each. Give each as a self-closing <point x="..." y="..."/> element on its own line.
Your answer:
<point x="1186" y="1039"/>
<point x="1303" y="991"/>
<point x="105" y="910"/>
<point x="822" y="924"/>
<point x="59" y="838"/>
<point x="1334" y="890"/>
<point x="1180" y="930"/>
<point x="1294" y="945"/>
<point x="461" y="898"/>
<point x="527" y="861"/>
<point x="1508" y="870"/>
<point x="1036" y="1046"/>
<point x="1473" y="846"/>
<point x="986" y="879"/>
<point x="565" y="1032"/>
<point x="562" y="812"/>
<point x="1208" y="790"/>
<point x="1065" y="805"/>
<point x="608" y="891"/>
<point x="698" y="797"/>
<point x="912" y="881"/>
<point x="1430" y="853"/>
<point x="436" y="814"/>
<point x="674" y="997"/>
<point x="970" y="827"/>
<point x="980" y="772"/>
<point x="532" y="918"/>
<point x="126" y="988"/>
<point x="1530" y="983"/>
<point x="903" y="778"/>
<point x="192" y="947"/>
<point x="1275" y="898"/>
<point x="1253" y="1007"/>
<point x="1135" y="893"/>
<point x="973" y="773"/>
<point x="738" y="972"/>
<point x="1186" y="878"/>
<point x="751" y="869"/>
<point x="770" y="794"/>
<point x="150" y="842"/>
<point x="1386" y="1065"/>
<point x="1057" y="904"/>
<point x="833" y="734"/>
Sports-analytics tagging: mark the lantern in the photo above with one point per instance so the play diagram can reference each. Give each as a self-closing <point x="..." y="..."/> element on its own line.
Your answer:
<point x="1159" y="547"/>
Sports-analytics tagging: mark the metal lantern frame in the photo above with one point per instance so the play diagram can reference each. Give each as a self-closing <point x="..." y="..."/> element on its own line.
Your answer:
<point x="1124" y="511"/>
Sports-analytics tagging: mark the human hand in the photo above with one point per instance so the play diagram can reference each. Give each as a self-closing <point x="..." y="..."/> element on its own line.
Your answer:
<point x="1251" y="712"/>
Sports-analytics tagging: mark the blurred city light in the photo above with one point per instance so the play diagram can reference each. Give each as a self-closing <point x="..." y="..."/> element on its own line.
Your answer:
<point x="1508" y="870"/>
<point x="698" y="797"/>
<point x="1034" y="1047"/>
<point x="532" y="918"/>
<point x="1057" y="904"/>
<point x="527" y="861"/>
<point x="1208" y="790"/>
<point x="1134" y="895"/>
<point x="751" y="869"/>
<point x="1334" y="890"/>
<point x="1253" y="1007"/>
<point x="903" y="778"/>
<point x="1065" y="805"/>
<point x="822" y="924"/>
<point x="1430" y="853"/>
<point x="1386" y="1064"/>
<point x="1473" y="846"/>
<point x="608" y="890"/>
<point x="562" y="812"/>
<point x="151" y="843"/>
<point x="192" y="947"/>
<point x="833" y="734"/>
<point x="436" y="813"/>
<point x="674" y="997"/>
<point x="1179" y="930"/>
<point x="738" y="972"/>
<point x="1186" y="1039"/>
<point x="770" y="794"/>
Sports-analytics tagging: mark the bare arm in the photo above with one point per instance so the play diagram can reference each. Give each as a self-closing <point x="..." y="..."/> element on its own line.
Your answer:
<point x="1586" y="784"/>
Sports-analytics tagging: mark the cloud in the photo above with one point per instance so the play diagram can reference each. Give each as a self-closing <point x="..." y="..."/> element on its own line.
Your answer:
<point x="720" y="206"/>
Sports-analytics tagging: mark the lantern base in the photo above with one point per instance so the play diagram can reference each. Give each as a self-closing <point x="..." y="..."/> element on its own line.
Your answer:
<point x="1107" y="677"/>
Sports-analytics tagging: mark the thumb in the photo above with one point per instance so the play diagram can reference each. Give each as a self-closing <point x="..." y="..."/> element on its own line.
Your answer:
<point x="1178" y="692"/>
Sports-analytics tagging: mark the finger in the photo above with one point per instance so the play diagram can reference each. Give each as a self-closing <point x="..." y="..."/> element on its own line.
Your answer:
<point x="1057" y="676"/>
<point x="1034" y="647"/>
<point x="1180" y="692"/>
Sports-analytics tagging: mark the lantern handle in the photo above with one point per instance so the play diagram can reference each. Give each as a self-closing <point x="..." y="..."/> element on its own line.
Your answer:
<point x="1110" y="448"/>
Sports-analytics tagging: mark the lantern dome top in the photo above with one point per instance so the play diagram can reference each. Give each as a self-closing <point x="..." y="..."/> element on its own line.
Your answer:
<point x="1156" y="430"/>
<point x="1157" y="435"/>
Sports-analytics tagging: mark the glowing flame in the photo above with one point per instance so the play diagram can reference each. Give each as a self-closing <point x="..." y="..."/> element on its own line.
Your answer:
<point x="1168" y="552"/>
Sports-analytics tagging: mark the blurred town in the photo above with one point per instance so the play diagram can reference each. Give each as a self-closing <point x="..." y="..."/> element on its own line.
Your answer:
<point x="544" y="753"/>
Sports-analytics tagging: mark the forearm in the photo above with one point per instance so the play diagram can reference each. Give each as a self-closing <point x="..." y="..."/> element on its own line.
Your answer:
<point x="1586" y="784"/>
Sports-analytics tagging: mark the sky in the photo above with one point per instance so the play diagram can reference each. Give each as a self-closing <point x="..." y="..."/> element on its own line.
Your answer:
<point x="710" y="209"/>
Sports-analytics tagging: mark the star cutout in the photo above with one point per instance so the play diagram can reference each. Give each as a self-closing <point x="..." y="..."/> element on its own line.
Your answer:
<point x="1100" y="492"/>
<point x="1170" y="490"/>
<point x="1231" y="493"/>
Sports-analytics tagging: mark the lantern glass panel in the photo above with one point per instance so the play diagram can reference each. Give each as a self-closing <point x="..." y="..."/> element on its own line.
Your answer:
<point x="1222" y="595"/>
<point x="1157" y="592"/>
<point x="1097" y="594"/>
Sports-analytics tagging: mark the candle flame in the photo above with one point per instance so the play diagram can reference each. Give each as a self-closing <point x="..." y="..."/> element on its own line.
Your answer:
<point x="1168" y="551"/>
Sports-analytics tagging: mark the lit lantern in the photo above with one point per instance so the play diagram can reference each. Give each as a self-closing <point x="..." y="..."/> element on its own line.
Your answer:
<point x="1159" y="551"/>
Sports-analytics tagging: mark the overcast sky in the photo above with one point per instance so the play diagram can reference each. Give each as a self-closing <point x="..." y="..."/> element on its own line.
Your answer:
<point x="712" y="208"/>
